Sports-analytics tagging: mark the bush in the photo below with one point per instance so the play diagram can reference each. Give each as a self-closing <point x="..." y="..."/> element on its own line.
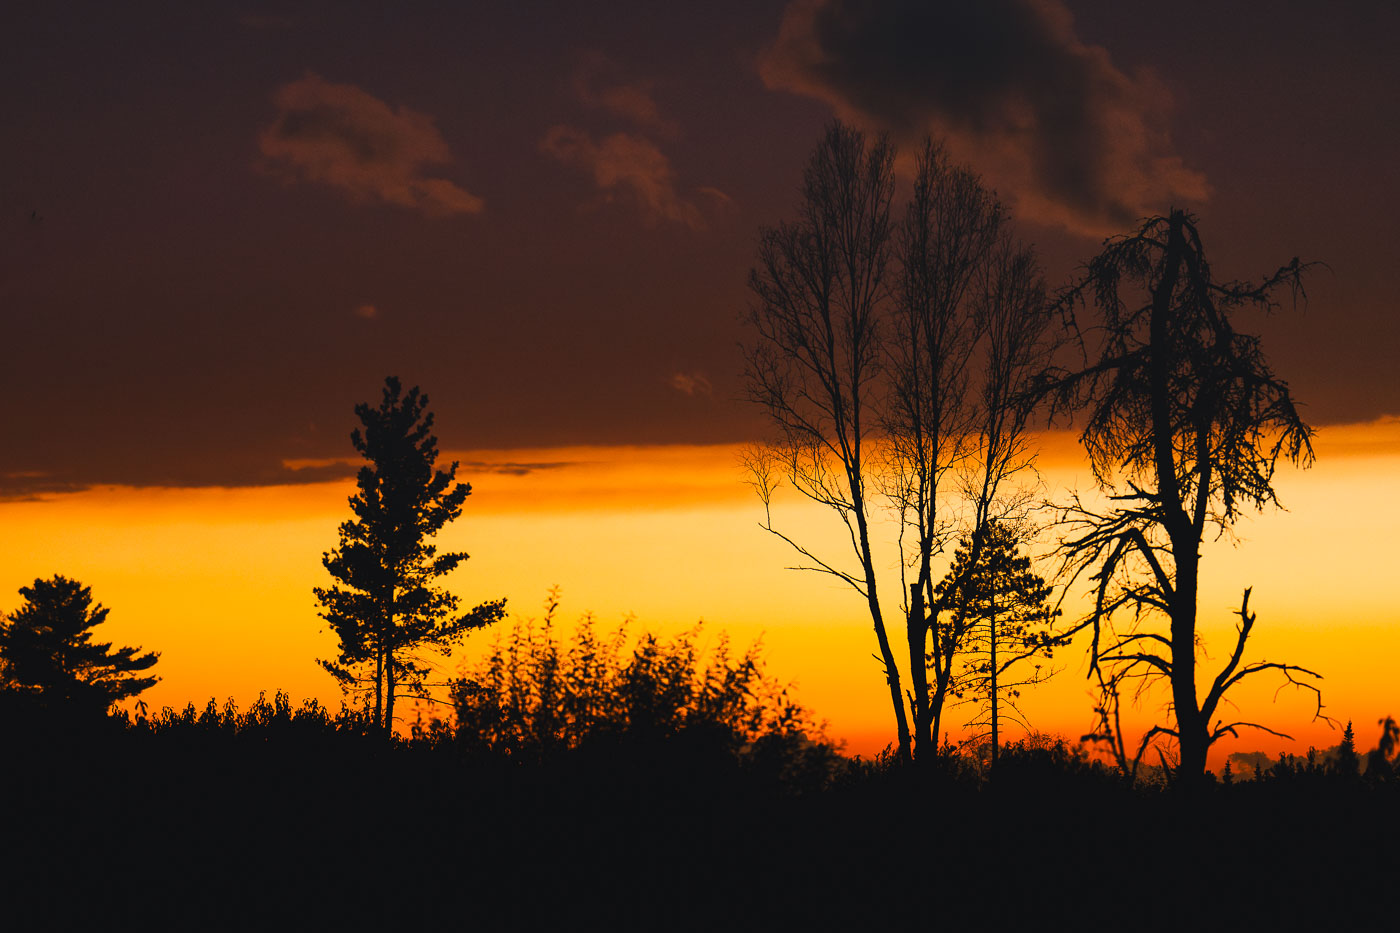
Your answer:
<point x="536" y="694"/>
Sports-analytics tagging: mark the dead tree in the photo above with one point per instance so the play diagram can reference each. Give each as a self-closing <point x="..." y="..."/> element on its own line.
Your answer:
<point x="1184" y="425"/>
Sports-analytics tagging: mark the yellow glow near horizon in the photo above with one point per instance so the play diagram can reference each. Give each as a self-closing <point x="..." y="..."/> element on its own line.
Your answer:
<point x="219" y="581"/>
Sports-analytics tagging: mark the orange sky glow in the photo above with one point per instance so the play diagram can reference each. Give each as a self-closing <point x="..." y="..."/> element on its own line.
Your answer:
<point x="219" y="580"/>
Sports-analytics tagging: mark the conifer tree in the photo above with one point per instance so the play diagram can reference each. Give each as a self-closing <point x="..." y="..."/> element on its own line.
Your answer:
<point x="1003" y="606"/>
<point x="1347" y="763"/>
<point x="387" y="609"/>
<point x="48" y="652"/>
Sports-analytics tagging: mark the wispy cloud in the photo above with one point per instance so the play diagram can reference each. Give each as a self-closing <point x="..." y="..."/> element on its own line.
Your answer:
<point x="696" y="383"/>
<point x="626" y="167"/>
<point x="1048" y="119"/>
<point x="349" y="466"/>
<point x="511" y="467"/>
<point x="342" y="136"/>
<point x="598" y="83"/>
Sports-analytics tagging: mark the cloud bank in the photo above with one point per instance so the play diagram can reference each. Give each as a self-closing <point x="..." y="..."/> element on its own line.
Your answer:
<point x="339" y="135"/>
<point x="1047" y="119"/>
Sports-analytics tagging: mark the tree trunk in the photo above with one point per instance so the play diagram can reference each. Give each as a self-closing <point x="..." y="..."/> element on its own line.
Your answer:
<point x="892" y="678"/>
<point x="389" y="693"/>
<point x="1192" y="740"/>
<point x="1185" y="540"/>
<point x="993" y="623"/>
<point x="878" y="619"/>
<point x="918" y="671"/>
<point x="378" y="688"/>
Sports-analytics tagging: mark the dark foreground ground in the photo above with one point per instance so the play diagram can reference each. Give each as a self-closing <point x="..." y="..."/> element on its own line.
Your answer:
<point x="316" y="830"/>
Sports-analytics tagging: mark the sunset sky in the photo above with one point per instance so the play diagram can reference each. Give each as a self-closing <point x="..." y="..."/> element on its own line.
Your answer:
<point x="221" y="227"/>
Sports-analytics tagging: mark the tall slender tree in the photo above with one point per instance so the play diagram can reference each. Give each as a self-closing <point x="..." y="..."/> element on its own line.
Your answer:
<point x="47" y="651"/>
<point x="387" y="609"/>
<point x="950" y="232"/>
<point x="1185" y="425"/>
<point x="817" y="363"/>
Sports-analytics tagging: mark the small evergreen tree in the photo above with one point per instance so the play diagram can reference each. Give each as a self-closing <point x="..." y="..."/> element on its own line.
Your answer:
<point x="387" y="609"/>
<point x="49" y="654"/>
<point x="1003" y="606"/>
<point x="1347" y="764"/>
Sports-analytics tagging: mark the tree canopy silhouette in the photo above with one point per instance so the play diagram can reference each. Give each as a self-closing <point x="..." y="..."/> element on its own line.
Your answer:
<point x="48" y="652"/>
<point x="1185" y="425"/>
<point x="387" y="608"/>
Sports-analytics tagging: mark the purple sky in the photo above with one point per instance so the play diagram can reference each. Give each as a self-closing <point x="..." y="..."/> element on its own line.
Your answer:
<point x="221" y="228"/>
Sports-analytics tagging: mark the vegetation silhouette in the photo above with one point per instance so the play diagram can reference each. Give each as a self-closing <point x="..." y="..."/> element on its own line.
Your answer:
<point x="866" y="334"/>
<point x="629" y="780"/>
<point x="386" y="610"/>
<point x="634" y="780"/>
<point x="1184" y="426"/>
<point x="49" y="660"/>
<point x="535" y="696"/>
<point x="1004" y="607"/>
<point x="257" y="816"/>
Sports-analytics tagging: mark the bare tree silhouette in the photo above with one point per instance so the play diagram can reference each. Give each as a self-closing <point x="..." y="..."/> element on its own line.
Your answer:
<point x="1185" y="425"/>
<point x="816" y="366"/>
<point x="867" y="332"/>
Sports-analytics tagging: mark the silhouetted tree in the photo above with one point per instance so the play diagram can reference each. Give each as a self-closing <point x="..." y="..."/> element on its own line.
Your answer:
<point x="820" y="285"/>
<point x="865" y="332"/>
<point x="1347" y="763"/>
<point x="1185" y="426"/>
<point x="1003" y="606"/>
<point x="48" y="652"/>
<point x="1012" y="318"/>
<point x="387" y="609"/>
<point x="1379" y="759"/>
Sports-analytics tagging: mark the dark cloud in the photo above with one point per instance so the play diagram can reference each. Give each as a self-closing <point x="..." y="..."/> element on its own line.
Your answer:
<point x="22" y="485"/>
<point x="26" y="485"/>
<point x="339" y="135"/>
<point x="511" y="467"/>
<point x="1048" y="119"/>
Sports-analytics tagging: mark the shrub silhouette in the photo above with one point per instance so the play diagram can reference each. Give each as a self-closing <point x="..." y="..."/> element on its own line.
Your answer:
<point x="264" y="719"/>
<point x="536" y="693"/>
